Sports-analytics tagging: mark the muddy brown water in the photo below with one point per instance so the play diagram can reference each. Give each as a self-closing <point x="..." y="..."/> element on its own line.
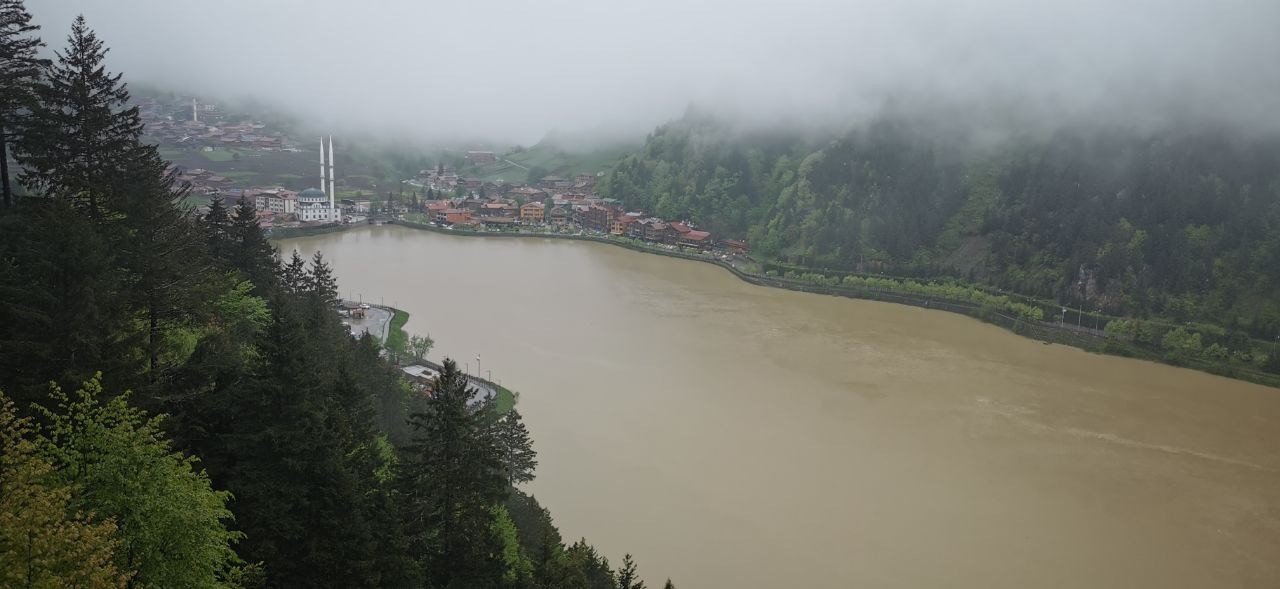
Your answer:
<point x="731" y="435"/>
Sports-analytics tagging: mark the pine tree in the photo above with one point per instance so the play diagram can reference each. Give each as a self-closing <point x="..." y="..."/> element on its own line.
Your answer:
<point x="516" y="447"/>
<point x="594" y="567"/>
<point x="20" y="69"/>
<point x="322" y="287"/>
<point x="63" y="313"/>
<point x="293" y="275"/>
<point x="554" y="568"/>
<point x="216" y="225"/>
<point x="668" y="585"/>
<point x="251" y="253"/>
<point x="83" y="139"/>
<point x="627" y="577"/>
<point x="160" y="251"/>
<point x="451" y="480"/>
<point x="285" y="441"/>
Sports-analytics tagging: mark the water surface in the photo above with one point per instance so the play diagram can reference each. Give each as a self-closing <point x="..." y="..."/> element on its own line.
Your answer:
<point x="731" y="435"/>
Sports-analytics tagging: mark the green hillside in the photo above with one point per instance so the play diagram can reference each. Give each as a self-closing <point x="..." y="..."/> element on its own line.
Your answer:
<point x="547" y="159"/>
<point x="1175" y="227"/>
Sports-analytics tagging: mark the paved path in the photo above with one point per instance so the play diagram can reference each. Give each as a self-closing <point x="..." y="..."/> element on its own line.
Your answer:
<point x="377" y="321"/>
<point x="428" y="369"/>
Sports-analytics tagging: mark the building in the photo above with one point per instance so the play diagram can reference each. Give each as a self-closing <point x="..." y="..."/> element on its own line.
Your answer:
<point x="453" y="217"/>
<point x="532" y="212"/>
<point x="481" y="157"/>
<point x="276" y="200"/>
<point x="696" y="239"/>
<point x="651" y="229"/>
<point x="559" y="216"/>
<point x="675" y="233"/>
<point x="313" y="206"/>
<point x="622" y="223"/>
<point x="736" y="246"/>
<point x="358" y="207"/>
<point x="526" y="193"/>
<point x="498" y="209"/>
<point x="594" y="217"/>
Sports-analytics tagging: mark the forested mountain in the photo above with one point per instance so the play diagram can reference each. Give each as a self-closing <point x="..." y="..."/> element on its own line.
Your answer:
<point x="225" y="429"/>
<point x="1176" y="223"/>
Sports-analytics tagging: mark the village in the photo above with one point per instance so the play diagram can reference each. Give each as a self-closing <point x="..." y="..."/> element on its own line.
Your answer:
<point x="438" y="196"/>
<point x="553" y="203"/>
<point x="204" y="126"/>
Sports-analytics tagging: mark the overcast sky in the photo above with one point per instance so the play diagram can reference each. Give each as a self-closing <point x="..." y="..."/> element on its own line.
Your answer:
<point x="512" y="70"/>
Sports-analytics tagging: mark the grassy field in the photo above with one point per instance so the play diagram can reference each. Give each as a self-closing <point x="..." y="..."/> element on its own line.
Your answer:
<point x="504" y="401"/>
<point x="223" y="155"/>
<point x="397" y="337"/>
<point x="554" y="159"/>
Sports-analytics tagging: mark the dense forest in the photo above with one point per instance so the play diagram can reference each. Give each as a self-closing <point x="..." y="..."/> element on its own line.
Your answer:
<point x="182" y="408"/>
<point x="1177" y="224"/>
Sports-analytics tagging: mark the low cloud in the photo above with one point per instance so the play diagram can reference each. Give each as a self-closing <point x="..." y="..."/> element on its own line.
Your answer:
<point x="512" y="70"/>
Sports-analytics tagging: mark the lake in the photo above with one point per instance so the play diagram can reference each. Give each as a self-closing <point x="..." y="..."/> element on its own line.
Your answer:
<point x="731" y="435"/>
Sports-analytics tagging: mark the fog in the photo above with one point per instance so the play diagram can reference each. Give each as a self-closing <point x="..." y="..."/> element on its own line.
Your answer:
<point x="510" y="70"/>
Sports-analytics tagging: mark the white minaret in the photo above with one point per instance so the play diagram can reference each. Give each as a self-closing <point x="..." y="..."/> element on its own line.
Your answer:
<point x="333" y="205"/>
<point x="195" y="112"/>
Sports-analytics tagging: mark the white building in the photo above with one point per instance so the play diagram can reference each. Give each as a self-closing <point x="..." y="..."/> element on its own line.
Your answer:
<point x="277" y="200"/>
<point x="313" y="205"/>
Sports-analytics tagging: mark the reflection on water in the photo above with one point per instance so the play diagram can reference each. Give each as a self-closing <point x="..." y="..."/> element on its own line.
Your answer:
<point x="737" y="436"/>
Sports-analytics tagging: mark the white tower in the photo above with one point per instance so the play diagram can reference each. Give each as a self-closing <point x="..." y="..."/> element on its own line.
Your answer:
<point x="324" y="167"/>
<point x="333" y="204"/>
<point x="195" y="112"/>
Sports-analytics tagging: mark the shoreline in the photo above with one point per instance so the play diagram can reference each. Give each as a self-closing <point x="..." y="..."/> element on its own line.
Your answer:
<point x="504" y="399"/>
<point x="1090" y="340"/>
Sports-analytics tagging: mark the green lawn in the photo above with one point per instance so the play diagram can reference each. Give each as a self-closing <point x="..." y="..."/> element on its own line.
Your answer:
<point x="222" y="155"/>
<point x="556" y="160"/>
<point x="505" y="400"/>
<point x="397" y="337"/>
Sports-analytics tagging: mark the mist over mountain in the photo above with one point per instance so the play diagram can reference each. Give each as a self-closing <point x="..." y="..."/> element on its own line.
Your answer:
<point x="504" y="70"/>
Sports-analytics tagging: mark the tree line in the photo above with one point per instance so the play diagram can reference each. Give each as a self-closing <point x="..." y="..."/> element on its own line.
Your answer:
<point x="225" y="429"/>
<point x="1172" y="225"/>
